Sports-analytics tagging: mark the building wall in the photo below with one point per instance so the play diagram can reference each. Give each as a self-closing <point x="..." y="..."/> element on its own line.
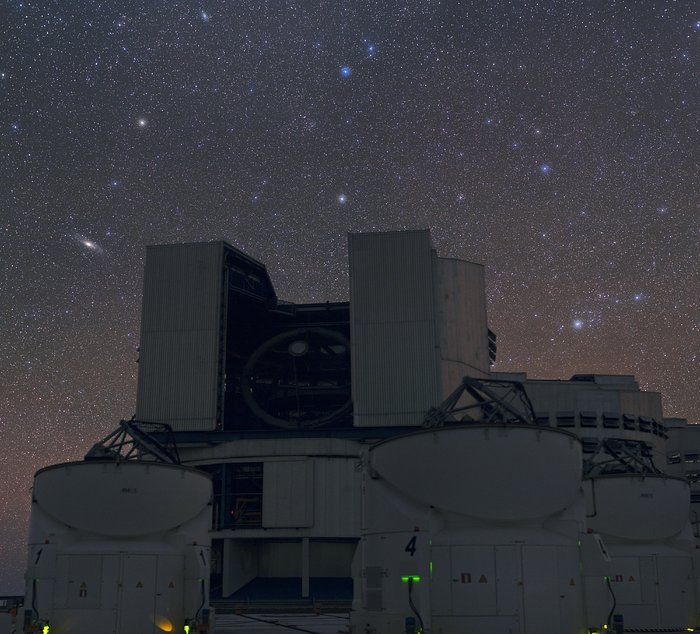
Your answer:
<point x="392" y="328"/>
<point x="311" y="509"/>
<point x="311" y="486"/>
<point x="683" y="459"/>
<point x="462" y="331"/>
<point x="598" y="406"/>
<point x="418" y="325"/>
<point x="179" y="379"/>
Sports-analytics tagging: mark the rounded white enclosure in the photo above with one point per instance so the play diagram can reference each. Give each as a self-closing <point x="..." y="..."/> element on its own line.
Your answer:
<point x="121" y="499"/>
<point x="494" y="472"/>
<point x="638" y="507"/>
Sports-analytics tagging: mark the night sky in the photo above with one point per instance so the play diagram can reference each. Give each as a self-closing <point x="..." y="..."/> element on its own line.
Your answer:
<point x="554" y="141"/>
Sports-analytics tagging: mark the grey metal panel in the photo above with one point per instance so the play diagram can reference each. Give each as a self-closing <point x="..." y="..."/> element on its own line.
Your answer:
<point x="460" y="307"/>
<point x="179" y="366"/>
<point x="288" y="500"/>
<point x="399" y="376"/>
<point x="338" y="485"/>
<point x="391" y="277"/>
<point x="392" y="320"/>
<point x="177" y="380"/>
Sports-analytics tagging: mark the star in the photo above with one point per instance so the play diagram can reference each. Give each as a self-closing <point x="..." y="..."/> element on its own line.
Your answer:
<point x="345" y="71"/>
<point x="577" y="324"/>
<point x="342" y="199"/>
<point x="142" y="123"/>
<point x="545" y="168"/>
<point x="205" y="16"/>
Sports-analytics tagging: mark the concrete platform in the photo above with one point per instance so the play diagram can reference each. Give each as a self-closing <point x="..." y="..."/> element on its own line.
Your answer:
<point x="281" y="624"/>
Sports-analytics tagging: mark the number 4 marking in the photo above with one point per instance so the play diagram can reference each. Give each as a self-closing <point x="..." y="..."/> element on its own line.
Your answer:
<point x="411" y="546"/>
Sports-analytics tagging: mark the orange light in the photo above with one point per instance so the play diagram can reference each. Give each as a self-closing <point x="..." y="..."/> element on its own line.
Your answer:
<point x="164" y="624"/>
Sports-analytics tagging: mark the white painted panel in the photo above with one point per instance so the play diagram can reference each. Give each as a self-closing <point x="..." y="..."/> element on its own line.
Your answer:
<point x="169" y="588"/>
<point x="509" y="580"/>
<point x="441" y="582"/>
<point x="541" y="589"/>
<point x="280" y="559"/>
<point x="474" y="591"/>
<point x="80" y="584"/>
<point x="240" y="564"/>
<point x="288" y="500"/>
<point x="328" y="559"/>
<point x="676" y="598"/>
<point x="337" y="505"/>
<point x="570" y="589"/>
<point x="138" y="594"/>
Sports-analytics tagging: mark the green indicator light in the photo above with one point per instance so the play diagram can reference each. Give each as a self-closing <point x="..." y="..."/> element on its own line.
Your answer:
<point x="187" y="629"/>
<point x="414" y="578"/>
<point x="45" y="629"/>
<point x="431" y="569"/>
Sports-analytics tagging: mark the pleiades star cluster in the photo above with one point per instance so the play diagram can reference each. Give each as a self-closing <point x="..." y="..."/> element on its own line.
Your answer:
<point x="553" y="140"/>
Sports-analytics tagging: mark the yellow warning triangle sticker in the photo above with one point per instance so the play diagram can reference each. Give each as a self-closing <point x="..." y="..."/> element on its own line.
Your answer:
<point x="139" y="585"/>
<point x="483" y="579"/>
<point x="631" y="578"/>
<point x="572" y="582"/>
<point x="171" y="585"/>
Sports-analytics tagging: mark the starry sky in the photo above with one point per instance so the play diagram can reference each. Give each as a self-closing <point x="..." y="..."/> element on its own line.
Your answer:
<point x="555" y="141"/>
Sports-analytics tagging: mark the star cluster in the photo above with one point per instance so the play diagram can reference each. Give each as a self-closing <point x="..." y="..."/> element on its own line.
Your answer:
<point x="554" y="141"/>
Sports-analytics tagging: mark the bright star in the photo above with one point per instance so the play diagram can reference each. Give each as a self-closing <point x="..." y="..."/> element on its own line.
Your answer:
<point x="342" y="199"/>
<point x="371" y="50"/>
<point x="205" y="16"/>
<point x="488" y="121"/>
<point x="637" y="297"/>
<point x="545" y="168"/>
<point x="345" y="71"/>
<point x="577" y="324"/>
<point x="142" y="123"/>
